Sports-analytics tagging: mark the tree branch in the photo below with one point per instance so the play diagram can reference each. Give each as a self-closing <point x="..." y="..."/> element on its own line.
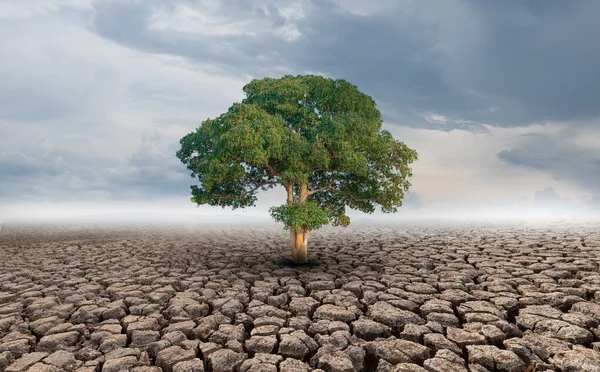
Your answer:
<point x="258" y="186"/>
<point x="233" y="197"/>
<point x="312" y="192"/>
<point x="348" y="195"/>
<point x="272" y="171"/>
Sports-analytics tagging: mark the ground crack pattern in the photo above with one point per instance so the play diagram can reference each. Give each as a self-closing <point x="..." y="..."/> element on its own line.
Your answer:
<point x="434" y="298"/>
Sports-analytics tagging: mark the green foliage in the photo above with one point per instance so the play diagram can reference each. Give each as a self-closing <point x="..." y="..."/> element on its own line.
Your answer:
<point x="305" y="216"/>
<point x="300" y="130"/>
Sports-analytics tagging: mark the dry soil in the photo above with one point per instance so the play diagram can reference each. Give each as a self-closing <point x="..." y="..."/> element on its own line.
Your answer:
<point x="226" y="298"/>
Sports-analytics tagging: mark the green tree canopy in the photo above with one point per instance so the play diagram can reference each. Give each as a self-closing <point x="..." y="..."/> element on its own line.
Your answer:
<point x="318" y="137"/>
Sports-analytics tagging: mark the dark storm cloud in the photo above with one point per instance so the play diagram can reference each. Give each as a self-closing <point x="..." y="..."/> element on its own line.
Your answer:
<point x="543" y="55"/>
<point x="128" y="23"/>
<point x="390" y="61"/>
<point x="504" y="63"/>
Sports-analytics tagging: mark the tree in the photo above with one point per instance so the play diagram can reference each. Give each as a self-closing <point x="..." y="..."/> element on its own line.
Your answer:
<point x="319" y="138"/>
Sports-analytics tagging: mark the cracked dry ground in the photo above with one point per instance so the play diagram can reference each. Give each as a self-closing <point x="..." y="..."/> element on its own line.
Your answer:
<point x="510" y="298"/>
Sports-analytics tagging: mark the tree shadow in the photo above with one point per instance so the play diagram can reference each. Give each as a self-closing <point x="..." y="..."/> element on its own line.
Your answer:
<point x="288" y="263"/>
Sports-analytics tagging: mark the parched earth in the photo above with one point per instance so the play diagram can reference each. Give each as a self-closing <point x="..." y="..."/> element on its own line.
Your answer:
<point x="405" y="298"/>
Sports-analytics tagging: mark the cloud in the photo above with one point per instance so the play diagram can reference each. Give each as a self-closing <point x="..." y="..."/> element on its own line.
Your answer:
<point x="152" y="171"/>
<point x="500" y="63"/>
<point x="17" y="9"/>
<point x="548" y="198"/>
<point x="325" y="41"/>
<point x="25" y="177"/>
<point x="566" y="154"/>
<point x="538" y="57"/>
<point x="498" y="98"/>
<point x="594" y="202"/>
<point x="412" y="201"/>
<point x="85" y="118"/>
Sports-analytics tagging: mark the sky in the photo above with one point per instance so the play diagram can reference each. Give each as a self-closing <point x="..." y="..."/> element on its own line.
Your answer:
<point x="501" y="99"/>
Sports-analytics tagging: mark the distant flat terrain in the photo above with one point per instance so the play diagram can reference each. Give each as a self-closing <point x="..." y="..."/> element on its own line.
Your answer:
<point x="426" y="297"/>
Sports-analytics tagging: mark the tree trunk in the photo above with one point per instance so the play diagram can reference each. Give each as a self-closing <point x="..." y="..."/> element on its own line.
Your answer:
<point x="290" y="200"/>
<point x="299" y="252"/>
<point x="299" y="239"/>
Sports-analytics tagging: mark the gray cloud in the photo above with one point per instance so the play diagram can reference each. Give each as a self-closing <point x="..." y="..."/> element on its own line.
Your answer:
<point x="412" y="200"/>
<point x="548" y="198"/>
<point x="33" y="176"/>
<point x="503" y="63"/>
<point x="594" y="202"/>
<point x="390" y="60"/>
<point x="19" y="165"/>
<point x="152" y="171"/>
<point x="14" y="108"/>
<point x="541" y="55"/>
<point x="558" y="156"/>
